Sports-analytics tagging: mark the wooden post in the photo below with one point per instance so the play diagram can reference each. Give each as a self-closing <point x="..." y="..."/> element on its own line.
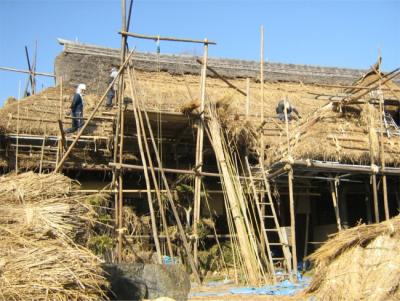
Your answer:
<point x="41" y="155"/>
<point x="335" y="204"/>
<point x="199" y="152"/>
<point x="292" y="223"/>
<point x="372" y="159"/>
<point x="262" y="90"/>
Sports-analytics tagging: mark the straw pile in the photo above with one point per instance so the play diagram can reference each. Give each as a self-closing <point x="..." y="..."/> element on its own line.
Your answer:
<point x="362" y="263"/>
<point x="40" y="216"/>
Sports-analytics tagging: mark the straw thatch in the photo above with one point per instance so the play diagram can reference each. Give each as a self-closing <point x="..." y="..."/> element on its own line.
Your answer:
<point x="339" y="134"/>
<point x="40" y="217"/>
<point x="362" y="263"/>
<point x="38" y="114"/>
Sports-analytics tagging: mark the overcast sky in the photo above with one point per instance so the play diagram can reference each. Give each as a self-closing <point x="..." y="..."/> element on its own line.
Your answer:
<point x="326" y="33"/>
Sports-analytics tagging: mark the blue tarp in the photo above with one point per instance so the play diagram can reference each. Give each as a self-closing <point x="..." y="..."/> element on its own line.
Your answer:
<point x="284" y="288"/>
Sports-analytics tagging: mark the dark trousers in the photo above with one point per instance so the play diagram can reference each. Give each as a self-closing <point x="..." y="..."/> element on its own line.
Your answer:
<point x="110" y="96"/>
<point x="77" y="121"/>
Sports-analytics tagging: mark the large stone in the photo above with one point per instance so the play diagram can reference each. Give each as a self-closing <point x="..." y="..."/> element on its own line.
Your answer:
<point x="136" y="281"/>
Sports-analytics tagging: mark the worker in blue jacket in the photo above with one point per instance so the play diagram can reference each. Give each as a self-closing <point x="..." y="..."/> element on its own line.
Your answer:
<point x="77" y="109"/>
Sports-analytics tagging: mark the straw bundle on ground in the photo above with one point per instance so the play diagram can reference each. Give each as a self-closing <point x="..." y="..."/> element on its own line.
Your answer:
<point x="362" y="263"/>
<point x="40" y="216"/>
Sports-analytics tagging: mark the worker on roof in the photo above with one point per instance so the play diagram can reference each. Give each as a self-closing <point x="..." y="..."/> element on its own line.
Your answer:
<point x="280" y="110"/>
<point x="77" y="109"/>
<point x="111" y="93"/>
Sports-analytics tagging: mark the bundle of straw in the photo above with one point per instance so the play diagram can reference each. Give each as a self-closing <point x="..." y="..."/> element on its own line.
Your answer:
<point x="362" y="263"/>
<point x="40" y="215"/>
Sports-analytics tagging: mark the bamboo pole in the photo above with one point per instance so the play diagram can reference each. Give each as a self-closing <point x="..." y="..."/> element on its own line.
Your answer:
<point x="292" y="223"/>
<point x="16" y="151"/>
<point x="247" y="98"/>
<point x="27" y="71"/>
<point x="159" y="38"/>
<point x="199" y="152"/>
<point x="146" y="175"/>
<point x="382" y="157"/>
<point x="222" y="78"/>
<point x="91" y="115"/>
<point x="262" y="89"/>
<point x="171" y="202"/>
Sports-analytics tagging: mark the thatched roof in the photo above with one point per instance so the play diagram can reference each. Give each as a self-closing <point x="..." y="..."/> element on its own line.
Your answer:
<point x="324" y="133"/>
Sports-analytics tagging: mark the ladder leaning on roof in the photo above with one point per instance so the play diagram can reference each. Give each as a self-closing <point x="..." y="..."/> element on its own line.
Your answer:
<point x="390" y="125"/>
<point x="271" y="237"/>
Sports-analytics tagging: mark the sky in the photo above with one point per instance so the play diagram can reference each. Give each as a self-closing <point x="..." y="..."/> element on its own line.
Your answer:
<point x="326" y="33"/>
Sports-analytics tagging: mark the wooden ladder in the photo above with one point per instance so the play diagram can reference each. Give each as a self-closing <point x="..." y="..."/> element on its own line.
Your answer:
<point x="271" y="233"/>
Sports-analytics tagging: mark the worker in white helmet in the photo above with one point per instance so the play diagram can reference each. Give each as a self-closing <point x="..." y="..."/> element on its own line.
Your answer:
<point x="77" y="109"/>
<point x="113" y="90"/>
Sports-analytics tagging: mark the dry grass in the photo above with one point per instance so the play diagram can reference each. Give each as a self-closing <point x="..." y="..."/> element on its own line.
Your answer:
<point x="362" y="263"/>
<point x="40" y="216"/>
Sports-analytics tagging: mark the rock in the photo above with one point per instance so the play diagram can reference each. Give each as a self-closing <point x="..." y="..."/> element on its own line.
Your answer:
<point x="136" y="281"/>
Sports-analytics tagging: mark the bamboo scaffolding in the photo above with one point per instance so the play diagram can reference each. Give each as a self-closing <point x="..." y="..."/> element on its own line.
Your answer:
<point x="140" y="132"/>
<point x="170" y="197"/>
<point x="91" y="115"/>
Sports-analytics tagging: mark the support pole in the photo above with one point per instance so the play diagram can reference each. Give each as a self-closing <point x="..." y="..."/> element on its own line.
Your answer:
<point x="335" y="204"/>
<point x="199" y="152"/>
<point x="262" y="90"/>
<point x="382" y="152"/>
<point x="292" y="223"/>
<point x="41" y="155"/>
<point x="372" y="159"/>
